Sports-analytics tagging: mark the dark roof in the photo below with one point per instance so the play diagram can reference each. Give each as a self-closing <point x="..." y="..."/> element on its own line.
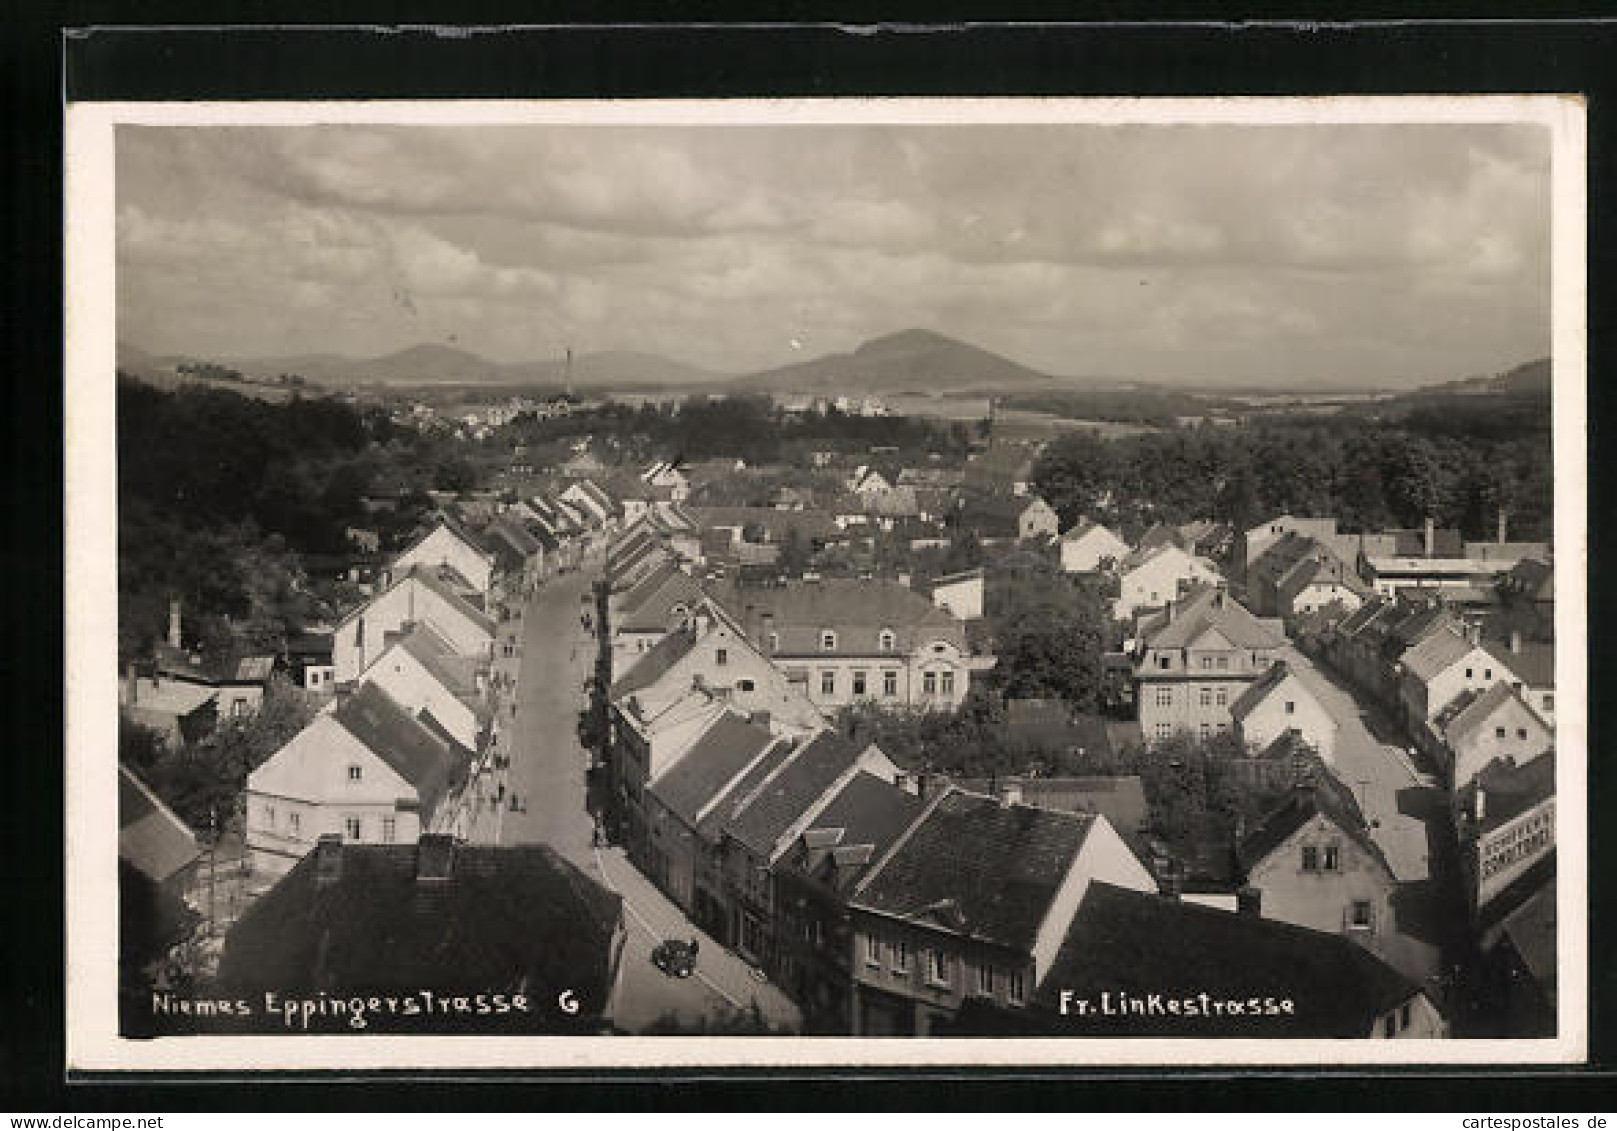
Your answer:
<point x="711" y="765"/>
<point x="988" y="871"/>
<point x="1299" y="807"/>
<point x="1509" y="791"/>
<point x="861" y="822"/>
<point x="764" y="812"/>
<point x="233" y="667"/>
<point x="1204" y="609"/>
<point x="1120" y="798"/>
<point x="150" y="836"/>
<point x="410" y="749"/>
<point x="503" y="920"/>
<point x="1530" y="929"/>
<point x="1259" y="689"/>
<point x="1130" y="942"/>
<point x="646" y="607"/>
<point x="1533" y="662"/>
<point x="856" y="610"/>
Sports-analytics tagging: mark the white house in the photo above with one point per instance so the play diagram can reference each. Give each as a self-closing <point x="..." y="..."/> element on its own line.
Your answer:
<point x="1088" y="546"/>
<point x="452" y="545"/>
<point x="1279" y="702"/>
<point x="960" y="594"/>
<point x="1155" y="577"/>
<point x="425" y="676"/>
<point x="364" y="769"/>
<point x="417" y="598"/>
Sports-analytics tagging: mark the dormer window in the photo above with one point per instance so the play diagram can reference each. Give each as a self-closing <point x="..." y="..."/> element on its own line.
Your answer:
<point x="828" y="641"/>
<point x="355" y="773"/>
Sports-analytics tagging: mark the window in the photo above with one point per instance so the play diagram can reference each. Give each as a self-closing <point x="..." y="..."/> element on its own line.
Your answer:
<point x="1521" y="733"/>
<point x="1487" y="673"/>
<point x="238" y="707"/>
<point x="1223" y="663"/>
<point x="1389" y="1027"/>
<point x="946" y="682"/>
<point x="828" y="641"/>
<point x="1291" y="707"/>
<point x="1499" y="732"/>
<point x="872" y="950"/>
<point x="1016" y="987"/>
<point x="1221" y="697"/>
<point x="1467" y="673"/>
<point x="352" y="827"/>
<point x="355" y="773"/>
<point x="1549" y="702"/>
<point x="1163" y="662"/>
<point x="901" y="957"/>
<point x="889" y="684"/>
<point x="859" y="683"/>
<point x="1207" y="663"/>
<point x="1205" y="730"/>
<point x="1165" y="697"/>
<point x="828" y="682"/>
<point x="774" y="642"/>
<point x="269" y="816"/>
<point x="1403" y="1016"/>
<point x="1207" y="696"/>
<point x="937" y="970"/>
<point x="985" y="979"/>
<point x="1310" y="858"/>
<point x="929" y="683"/>
<point x="744" y="685"/>
<point x="1164" y="730"/>
<point x="1360" y="915"/>
<point x="721" y="656"/>
<point x="390" y="829"/>
<point x="1333" y="858"/>
<point x="888" y="640"/>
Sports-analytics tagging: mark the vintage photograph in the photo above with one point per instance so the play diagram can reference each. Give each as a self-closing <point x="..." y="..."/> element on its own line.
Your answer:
<point x="928" y="575"/>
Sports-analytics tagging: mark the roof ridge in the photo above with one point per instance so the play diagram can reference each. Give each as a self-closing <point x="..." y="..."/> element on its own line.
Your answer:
<point x="901" y="840"/>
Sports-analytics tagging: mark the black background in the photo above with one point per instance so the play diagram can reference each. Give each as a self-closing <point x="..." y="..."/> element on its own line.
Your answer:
<point x="74" y="50"/>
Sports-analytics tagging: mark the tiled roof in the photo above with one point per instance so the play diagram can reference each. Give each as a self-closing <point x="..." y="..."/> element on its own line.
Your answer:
<point x="711" y="765"/>
<point x="867" y="813"/>
<point x="1475" y="709"/>
<point x="1301" y="806"/>
<point x="375" y="928"/>
<point x="763" y="812"/>
<point x="410" y="749"/>
<point x="991" y="870"/>
<point x="1120" y="799"/>
<point x="457" y="673"/>
<point x="656" y="662"/>
<point x="1160" y="535"/>
<point x="1508" y="790"/>
<point x="856" y="610"/>
<point x="1260" y="689"/>
<point x="235" y="667"/>
<point x="1530" y="927"/>
<point x="1130" y="942"/>
<point x="1211" y="608"/>
<point x="648" y="604"/>
<point x="1436" y="654"/>
<point x="150" y="835"/>
<point x="1533" y="663"/>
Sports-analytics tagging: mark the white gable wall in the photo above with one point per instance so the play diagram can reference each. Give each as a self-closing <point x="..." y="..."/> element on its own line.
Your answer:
<point x="443" y="547"/>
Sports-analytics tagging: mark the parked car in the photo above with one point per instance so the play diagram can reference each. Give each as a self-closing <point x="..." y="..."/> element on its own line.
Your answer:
<point x="675" y="957"/>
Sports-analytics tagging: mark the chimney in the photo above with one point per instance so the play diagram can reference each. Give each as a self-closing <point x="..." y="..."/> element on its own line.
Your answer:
<point x="174" y="638"/>
<point x="328" y="860"/>
<point x="1479" y="809"/>
<point x="1171" y="609"/>
<point x="1249" y="902"/>
<point x="1010" y="793"/>
<point x="700" y="623"/>
<point x="435" y="857"/>
<point x="1431" y="537"/>
<point x="902" y="781"/>
<point x="1515" y="641"/>
<point x="1473" y="632"/>
<point x="1501" y="526"/>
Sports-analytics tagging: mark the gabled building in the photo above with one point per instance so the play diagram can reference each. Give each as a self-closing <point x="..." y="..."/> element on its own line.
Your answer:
<point x="431" y="937"/>
<point x="1312" y="862"/>
<point x="1151" y="579"/>
<point x="973" y="901"/>
<point x="1250" y="544"/>
<point x="1280" y="702"/>
<point x="1020" y="518"/>
<point x="1517" y="975"/>
<point x="1532" y="663"/>
<point x="1089" y="547"/>
<point x="1299" y="574"/>
<point x="1435" y="672"/>
<point x="663" y="601"/>
<point x="959" y="594"/>
<point x="844" y="640"/>
<point x="365" y="769"/>
<point x="1481" y="727"/>
<point x="437" y="685"/>
<point x="1139" y="965"/>
<point x="449" y="545"/>
<point x="153" y="839"/>
<point x="1194" y="659"/>
<point x="420" y="597"/>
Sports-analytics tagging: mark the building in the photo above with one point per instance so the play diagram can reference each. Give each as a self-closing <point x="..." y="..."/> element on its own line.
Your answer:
<point x="364" y="769"/>
<point x="450" y="546"/>
<point x="420" y="597"/>
<point x="1481" y="727"/>
<point x="1312" y="862"/>
<point x="959" y="594"/>
<point x="1298" y="574"/>
<point x="1517" y="975"/>
<point x="504" y="940"/>
<point x="1252" y="543"/>
<point x="1119" y="798"/>
<point x="235" y="681"/>
<point x="1006" y="517"/>
<point x="1194" y="659"/>
<point x="640" y="617"/>
<point x="1278" y="702"/>
<point x="1150" y="579"/>
<point x="1505" y="821"/>
<point x="1141" y="965"/>
<point x="1089" y="547"/>
<point x="436" y="685"/>
<point x="1435" y="672"/>
<point x="153" y="839"/>
<point x="178" y="710"/>
<point x="308" y="660"/>
<point x="845" y="640"/>
<point x="814" y="927"/>
<point x="973" y="900"/>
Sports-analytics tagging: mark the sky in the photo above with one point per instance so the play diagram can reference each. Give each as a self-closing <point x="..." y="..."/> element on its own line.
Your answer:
<point x="1325" y="255"/>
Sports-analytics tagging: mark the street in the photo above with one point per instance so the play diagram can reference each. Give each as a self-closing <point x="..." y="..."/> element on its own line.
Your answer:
<point x="1406" y="818"/>
<point x="547" y="775"/>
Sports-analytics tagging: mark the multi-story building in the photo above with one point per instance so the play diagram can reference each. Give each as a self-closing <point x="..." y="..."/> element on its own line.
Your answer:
<point x="847" y="641"/>
<point x="450" y="545"/>
<point x="1151" y="578"/>
<point x="1194" y="659"/>
<point x="1481" y="727"/>
<point x="1281" y="701"/>
<point x="420" y="597"/>
<point x="1505" y="820"/>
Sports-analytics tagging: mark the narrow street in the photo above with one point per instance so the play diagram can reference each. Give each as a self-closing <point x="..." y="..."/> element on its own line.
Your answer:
<point x="547" y="776"/>
<point x="1406" y="817"/>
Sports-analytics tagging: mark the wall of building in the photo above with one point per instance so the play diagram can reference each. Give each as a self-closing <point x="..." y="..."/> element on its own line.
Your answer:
<point x="1158" y="581"/>
<point x="1323" y="900"/>
<point x="898" y="971"/>
<point x="1270" y="719"/>
<point x="441" y="547"/>
<point x="1525" y="738"/>
<point x="363" y="637"/>
<point x="416" y="689"/>
<point x="1503" y="854"/>
<point x="1086" y="554"/>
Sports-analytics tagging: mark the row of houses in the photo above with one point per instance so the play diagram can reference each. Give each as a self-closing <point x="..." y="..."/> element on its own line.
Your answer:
<point x="883" y="903"/>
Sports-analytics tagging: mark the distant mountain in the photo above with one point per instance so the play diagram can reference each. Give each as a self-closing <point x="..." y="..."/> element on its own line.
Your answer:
<point x="911" y="360"/>
<point x="1532" y="378"/>
<point x="431" y="363"/>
